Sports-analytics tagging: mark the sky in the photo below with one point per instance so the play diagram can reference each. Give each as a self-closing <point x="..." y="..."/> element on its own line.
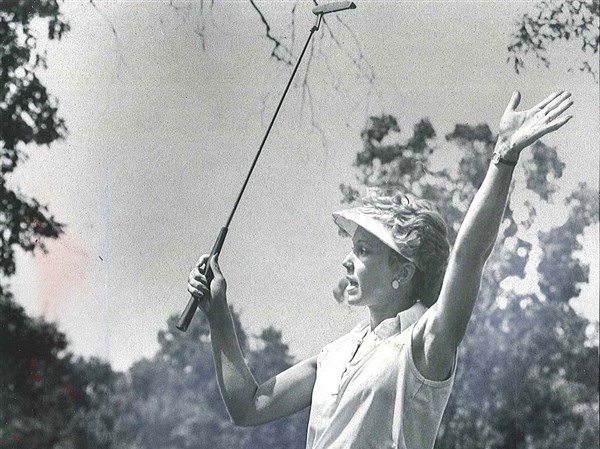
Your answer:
<point x="163" y="127"/>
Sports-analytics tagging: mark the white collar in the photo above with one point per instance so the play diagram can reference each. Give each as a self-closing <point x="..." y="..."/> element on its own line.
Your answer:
<point x="396" y="324"/>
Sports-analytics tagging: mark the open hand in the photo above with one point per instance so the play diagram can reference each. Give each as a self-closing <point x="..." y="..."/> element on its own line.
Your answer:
<point x="519" y="129"/>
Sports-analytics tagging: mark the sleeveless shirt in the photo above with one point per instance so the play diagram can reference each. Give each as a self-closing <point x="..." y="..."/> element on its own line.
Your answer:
<point x="368" y="392"/>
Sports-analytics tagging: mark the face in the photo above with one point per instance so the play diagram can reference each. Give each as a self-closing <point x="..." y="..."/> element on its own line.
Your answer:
<point x="369" y="271"/>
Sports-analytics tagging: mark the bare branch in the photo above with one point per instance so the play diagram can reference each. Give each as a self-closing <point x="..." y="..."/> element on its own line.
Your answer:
<point x="114" y="32"/>
<point x="201" y="27"/>
<point x="313" y="122"/>
<point x="282" y="50"/>
<point x="278" y="45"/>
<point x="294" y="23"/>
<point x="307" y="71"/>
<point x="371" y="76"/>
<point x="184" y="12"/>
<point x="360" y="61"/>
<point x="307" y="94"/>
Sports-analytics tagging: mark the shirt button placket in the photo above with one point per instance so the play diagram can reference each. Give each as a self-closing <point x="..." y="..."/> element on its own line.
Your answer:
<point x="354" y="352"/>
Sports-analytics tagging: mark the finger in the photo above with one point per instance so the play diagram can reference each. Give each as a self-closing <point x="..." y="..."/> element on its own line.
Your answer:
<point x="202" y="260"/>
<point x="198" y="285"/>
<point x="514" y="101"/>
<point x="559" y="110"/>
<point x="199" y="294"/>
<point x="557" y="101"/>
<point x="553" y="126"/>
<point x="198" y="273"/>
<point x="196" y="292"/>
<point x="547" y="100"/>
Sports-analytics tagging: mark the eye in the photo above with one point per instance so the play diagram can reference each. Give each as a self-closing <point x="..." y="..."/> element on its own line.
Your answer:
<point x="359" y="250"/>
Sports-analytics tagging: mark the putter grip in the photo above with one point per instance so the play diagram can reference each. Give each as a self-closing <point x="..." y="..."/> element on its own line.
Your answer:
<point x="186" y="316"/>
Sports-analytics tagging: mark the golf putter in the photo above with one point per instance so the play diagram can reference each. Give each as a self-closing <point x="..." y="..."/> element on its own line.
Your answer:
<point x="186" y="316"/>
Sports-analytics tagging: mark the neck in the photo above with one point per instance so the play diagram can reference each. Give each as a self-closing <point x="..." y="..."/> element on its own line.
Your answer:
<point x="388" y="310"/>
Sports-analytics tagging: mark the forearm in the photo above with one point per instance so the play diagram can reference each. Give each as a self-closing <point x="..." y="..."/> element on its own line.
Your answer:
<point x="236" y="382"/>
<point x="473" y="245"/>
<point x="480" y="226"/>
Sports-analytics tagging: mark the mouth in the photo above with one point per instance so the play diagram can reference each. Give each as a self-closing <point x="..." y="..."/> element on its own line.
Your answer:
<point x="352" y="285"/>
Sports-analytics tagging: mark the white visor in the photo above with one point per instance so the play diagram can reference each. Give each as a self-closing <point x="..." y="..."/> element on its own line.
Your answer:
<point x="350" y="219"/>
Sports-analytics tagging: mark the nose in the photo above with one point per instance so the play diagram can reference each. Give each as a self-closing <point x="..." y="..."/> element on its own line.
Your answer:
<point x="347" y="263"/>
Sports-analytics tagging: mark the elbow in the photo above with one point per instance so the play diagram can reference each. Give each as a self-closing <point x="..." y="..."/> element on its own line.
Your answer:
<point x="240" y="420"/>
<point x="246" y="422"/>
<point x="245" y="417"/>
<point x="241" y="408"/>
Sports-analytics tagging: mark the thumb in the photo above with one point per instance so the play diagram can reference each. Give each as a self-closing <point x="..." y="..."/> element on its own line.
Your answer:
<point x="214" y="265"/>
<point x="514" y="101"/>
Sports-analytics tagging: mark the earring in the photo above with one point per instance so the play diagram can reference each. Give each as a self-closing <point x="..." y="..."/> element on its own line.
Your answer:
<point x="395" y="284"/>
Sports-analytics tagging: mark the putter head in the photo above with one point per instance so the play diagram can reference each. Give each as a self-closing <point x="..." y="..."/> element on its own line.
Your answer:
<point x="333" y="7"/>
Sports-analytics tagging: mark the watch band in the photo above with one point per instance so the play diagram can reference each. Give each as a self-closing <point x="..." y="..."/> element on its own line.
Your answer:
<point x="496" y="159"/>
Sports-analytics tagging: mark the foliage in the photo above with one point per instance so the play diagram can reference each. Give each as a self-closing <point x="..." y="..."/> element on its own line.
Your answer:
<point x="557" y="20"/>
<point x="28" y="115"/>
<point x="48" y="398"/>
<point x="52" y="400"/>
<point x="173" y="400"/>
<point x="528" y="371"/>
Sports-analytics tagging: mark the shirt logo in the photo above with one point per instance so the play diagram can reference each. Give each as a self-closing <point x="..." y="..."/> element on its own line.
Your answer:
<point x="398" y="346"/>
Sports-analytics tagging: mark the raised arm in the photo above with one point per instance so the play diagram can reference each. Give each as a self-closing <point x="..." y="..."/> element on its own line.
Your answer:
<point x="247" y="402"/>
<point x="437" y="338"/>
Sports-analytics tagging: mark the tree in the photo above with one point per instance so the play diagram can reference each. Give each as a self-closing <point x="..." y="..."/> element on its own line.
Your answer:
<point x="28" y="115"/>
<point x="173" y="400"/>
<point x="528" y="371"/>
<point x="557" y="20"/>
<point x="271" y="357"/>
<point x="49" y="398"/>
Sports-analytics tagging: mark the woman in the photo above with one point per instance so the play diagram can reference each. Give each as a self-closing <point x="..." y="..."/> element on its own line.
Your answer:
<point x="386" y="383"/>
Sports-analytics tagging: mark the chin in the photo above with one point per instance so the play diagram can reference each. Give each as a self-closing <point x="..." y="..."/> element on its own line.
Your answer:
<point x="354" y="300"/>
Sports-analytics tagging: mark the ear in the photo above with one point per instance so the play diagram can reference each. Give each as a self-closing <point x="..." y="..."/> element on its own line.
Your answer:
<point x="406" y="272"/>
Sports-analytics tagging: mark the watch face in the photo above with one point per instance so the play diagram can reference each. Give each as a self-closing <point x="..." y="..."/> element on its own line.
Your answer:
<point x="495" y="158"/>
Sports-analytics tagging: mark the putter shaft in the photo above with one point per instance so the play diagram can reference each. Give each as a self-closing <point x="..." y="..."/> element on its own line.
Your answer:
<point x="186" y="316"/>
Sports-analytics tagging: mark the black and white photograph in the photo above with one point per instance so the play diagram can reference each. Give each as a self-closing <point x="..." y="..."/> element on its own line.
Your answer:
<point x="299" y="224"/>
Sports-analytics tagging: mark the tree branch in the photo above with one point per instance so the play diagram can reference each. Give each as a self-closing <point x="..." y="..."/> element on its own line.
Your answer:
<point x="114" y="31"/>
<point x="287" y="59"/>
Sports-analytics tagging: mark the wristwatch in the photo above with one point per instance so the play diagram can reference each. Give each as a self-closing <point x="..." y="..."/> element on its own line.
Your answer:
<point x="497" y="159"/>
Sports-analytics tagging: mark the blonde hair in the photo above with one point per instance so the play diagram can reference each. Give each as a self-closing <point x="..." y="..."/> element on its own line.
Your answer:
<point x="420" y="233"/>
